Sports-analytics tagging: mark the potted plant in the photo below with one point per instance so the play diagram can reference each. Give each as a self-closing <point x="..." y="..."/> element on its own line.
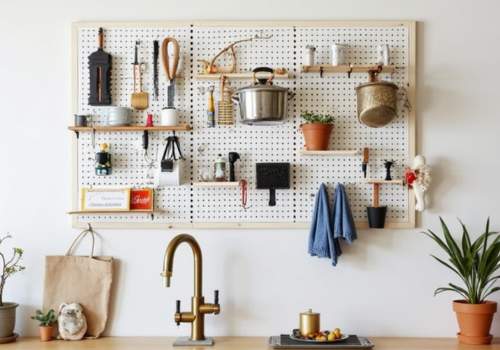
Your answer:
<point x="10" y="266"/>
<point x="47" y="322"/>
<point x="316" y="130"/>
<point x="475" y="263"/>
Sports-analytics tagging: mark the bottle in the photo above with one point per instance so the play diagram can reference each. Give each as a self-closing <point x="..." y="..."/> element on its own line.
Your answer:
<point x="211" y="108"/>
<point x="220" y="169"/>
<point x="103" y="160"/>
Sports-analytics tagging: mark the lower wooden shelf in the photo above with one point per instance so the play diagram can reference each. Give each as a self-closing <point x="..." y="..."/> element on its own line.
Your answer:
<point x="216" y="184"/>
<point x="97" y="212"/>
<point x="333" y="153"/>
<point x="376" y="181"/>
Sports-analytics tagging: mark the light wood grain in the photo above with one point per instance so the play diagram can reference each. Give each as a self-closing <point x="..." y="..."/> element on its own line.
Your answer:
<point x="230" y="343"/>
<point x="216" y="184"/>
<point x="389" y="182"/>
<point x="103" y="128"/>
<point x="241" y="75"/>
<point x="332" y="153"/>
<point x="345" y="68"/>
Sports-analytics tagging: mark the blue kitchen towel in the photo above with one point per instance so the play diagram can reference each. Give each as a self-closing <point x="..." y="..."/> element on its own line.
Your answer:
<point x="342" y="221"/>
<point x="321" y="241"/>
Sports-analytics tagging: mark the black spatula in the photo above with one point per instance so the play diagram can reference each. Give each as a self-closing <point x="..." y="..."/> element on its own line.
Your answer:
<point x="273" y="176"/>
<point x="100" y="75"/>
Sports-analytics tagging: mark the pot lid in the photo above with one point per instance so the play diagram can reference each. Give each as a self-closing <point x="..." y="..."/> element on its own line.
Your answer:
<point x="262" y="87"/>
<point x="377" y="83"/>
<point x="309" y="313"/>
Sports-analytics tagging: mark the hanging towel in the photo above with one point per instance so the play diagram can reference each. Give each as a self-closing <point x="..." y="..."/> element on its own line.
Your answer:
<point x="321" y="240"/>
<point x="342" y="221"/>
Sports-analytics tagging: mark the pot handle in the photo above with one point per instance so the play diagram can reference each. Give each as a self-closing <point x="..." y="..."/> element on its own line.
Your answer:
<point x="263" y="81"/>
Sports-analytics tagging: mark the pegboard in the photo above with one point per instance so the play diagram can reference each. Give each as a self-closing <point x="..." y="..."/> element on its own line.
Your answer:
<point x="191" y="206"/>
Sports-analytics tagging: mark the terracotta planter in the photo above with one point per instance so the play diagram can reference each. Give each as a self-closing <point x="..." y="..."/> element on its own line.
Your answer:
<point x="46" y="333"/>
<point x="474" y="321"/>
<point x="316" y="136"/>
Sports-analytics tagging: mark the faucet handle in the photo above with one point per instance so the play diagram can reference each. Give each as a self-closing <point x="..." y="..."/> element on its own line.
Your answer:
<point x="177" y="311"/>
<point x="216" y="297"/>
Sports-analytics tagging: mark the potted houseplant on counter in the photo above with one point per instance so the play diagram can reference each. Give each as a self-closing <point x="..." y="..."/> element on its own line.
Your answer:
<point x="475" y="263"/>
<point x="47" y="322"/>
<point x="316" y="130"/>
<point x="10" y="266"/>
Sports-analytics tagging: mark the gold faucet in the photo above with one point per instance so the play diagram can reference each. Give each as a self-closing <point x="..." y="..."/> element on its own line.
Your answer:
<point x="198" y="307"/>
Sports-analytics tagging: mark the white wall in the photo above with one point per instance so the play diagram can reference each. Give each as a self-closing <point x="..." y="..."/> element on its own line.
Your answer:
<point x="384" y="282"/>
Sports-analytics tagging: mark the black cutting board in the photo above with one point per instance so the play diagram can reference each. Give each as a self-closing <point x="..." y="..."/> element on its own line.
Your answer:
<point x="353" y="342"/>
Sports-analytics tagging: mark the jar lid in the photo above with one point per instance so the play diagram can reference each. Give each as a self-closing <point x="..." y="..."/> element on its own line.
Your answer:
<point x="309" y="313"/>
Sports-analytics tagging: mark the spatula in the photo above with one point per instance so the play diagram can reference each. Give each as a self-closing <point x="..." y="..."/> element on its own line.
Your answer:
<point x="139" y="99"/>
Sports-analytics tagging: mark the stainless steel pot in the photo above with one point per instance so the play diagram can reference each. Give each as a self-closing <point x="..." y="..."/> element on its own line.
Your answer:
<point x="377" y="101"/>
<point x="262" y="103"/>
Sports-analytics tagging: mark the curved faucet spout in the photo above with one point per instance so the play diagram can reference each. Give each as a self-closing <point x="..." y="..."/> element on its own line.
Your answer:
<point x="168" y="261"/>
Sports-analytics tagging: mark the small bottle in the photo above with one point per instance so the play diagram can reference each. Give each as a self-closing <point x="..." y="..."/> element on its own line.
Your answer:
<point x="103" y="160"/>
<point x="220" y="169"/>
<point x="383" y="55"/>
<point x="309" y="57"/>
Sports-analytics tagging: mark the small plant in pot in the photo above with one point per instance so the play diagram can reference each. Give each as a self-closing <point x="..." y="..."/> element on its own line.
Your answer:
<point x="47" y="321"/>
<point x="475" y="263"/>
<point x="316" y="130"/>
<point x="10" y="266"/>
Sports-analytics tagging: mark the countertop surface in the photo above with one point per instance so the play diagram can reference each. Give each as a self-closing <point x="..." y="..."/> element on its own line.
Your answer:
<point x="232" y="343"/>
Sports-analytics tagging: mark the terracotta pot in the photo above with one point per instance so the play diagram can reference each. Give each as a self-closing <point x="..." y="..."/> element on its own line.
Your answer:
<point x="316" y="136"/>
<point x="46" y="333"/>
<point x="474" y="321"/>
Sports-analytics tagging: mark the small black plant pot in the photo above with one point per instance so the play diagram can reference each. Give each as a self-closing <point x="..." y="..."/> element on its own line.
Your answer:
<point x="376" y="216"/>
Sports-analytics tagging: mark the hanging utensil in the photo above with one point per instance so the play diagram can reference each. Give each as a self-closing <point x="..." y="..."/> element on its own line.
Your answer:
<point x="139" y="99"/>
<point x="273" y="176"/>
<point x="170" y="67"/>
<point x="156" y="53"/>
<point x="100" y="75"/>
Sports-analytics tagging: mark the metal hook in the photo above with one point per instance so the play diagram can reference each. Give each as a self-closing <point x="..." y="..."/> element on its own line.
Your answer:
<point x="321" y="71"/>
<point x="349" y="71"/>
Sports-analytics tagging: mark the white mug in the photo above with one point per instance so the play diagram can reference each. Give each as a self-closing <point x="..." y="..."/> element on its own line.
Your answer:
<point x="169" y="116"/>
<point x="339" y="54"/>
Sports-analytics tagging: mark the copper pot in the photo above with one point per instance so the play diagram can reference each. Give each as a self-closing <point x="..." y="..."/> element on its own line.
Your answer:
<point x="309" y="322"/>
<point x="377" y="102"/>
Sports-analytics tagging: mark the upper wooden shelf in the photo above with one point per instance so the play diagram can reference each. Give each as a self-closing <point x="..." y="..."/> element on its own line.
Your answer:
<point x="345" y="68"/>
<point x="96" y="212"/>
<point x="215" y="184"/>
<point x="180" y="127"/>
<point x="393" y="182"/>
<point x="242" y="75"/>
<point x="333" y="153"/>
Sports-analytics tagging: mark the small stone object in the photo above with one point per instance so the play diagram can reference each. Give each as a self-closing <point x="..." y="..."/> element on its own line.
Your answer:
<point x="72" y="321"/>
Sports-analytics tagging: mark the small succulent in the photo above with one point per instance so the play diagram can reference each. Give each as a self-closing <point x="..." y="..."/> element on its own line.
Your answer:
<point x="314" y="118"/>
<point x="45" y="319"/>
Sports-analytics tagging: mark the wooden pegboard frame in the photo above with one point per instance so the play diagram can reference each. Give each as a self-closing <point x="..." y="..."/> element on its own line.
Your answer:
<point x="193" y="116"/>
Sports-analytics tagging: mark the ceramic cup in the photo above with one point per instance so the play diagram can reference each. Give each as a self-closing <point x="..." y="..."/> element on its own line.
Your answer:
<point x="118" y="116"/>
<point x="169" y="116"/>
<point x="339" y="54"/>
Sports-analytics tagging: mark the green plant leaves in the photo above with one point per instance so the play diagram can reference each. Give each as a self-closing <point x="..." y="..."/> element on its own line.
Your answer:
<point x="317" y="118"/>
<point x="474" y="262"/>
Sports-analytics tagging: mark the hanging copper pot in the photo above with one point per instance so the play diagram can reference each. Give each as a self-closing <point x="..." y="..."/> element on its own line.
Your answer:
<point x="377" y="101"/>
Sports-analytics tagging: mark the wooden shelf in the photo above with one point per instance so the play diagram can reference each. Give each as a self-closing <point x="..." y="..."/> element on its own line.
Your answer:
<point x="216" y="184"/>
<point x="328" y="68"/>
<point x="243" y="75"/>
<point x="332" y="153"/>
<point x="96" y="212"/>
<point x="380" y="182"/>
<point x="180" y="127"/>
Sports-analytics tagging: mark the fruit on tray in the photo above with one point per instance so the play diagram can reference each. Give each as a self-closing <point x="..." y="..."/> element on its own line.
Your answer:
<point x="321" y="336"/>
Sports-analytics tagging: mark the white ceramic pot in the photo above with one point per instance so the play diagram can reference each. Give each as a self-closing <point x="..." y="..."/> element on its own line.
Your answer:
<point x="118" y="116"/>
<point x="169" y="117"/>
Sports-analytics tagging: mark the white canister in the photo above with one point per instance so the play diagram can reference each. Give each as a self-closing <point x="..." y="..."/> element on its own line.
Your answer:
<point x="118" y="116"/>
<point x="169" y="116"/>
<point x="383" y="55"/>
<point x="309" y="55"/>
<point x="339" y="54"/>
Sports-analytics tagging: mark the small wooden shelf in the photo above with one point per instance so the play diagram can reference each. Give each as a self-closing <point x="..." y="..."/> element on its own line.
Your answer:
<point x="216" y="184"/>
<point x="380" y="182"/>
<point x="345" y="68"/>
<point x="332" y="153"/>
<point x="104" y="128"/>
<point x="243" y="75"/>
<point x="97" y="212"/>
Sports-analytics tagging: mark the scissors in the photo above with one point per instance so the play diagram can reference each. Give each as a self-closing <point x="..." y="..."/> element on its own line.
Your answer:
<point x="170" y="67"/>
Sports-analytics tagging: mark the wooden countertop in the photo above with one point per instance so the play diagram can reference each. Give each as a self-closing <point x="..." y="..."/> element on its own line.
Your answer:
<point x="231" y="343"/>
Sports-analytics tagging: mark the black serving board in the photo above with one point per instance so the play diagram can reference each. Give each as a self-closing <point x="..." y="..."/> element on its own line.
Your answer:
<point x="353" y="342"/>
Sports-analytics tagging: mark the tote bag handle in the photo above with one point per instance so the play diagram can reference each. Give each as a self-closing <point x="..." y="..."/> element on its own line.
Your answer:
<point x="79" y="238"/>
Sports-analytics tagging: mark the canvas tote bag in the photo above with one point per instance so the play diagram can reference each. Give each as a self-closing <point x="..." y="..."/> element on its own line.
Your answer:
<point x="80" y="279"/>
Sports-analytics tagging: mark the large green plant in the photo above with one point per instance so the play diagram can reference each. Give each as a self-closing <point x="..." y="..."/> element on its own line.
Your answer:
<point x="474" y="262"/>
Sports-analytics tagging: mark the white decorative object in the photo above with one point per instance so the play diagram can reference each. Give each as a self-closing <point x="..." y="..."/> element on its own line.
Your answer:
<point x="105" y="199"/>
<point x="339" y="53"/>
<point x="418" y="178"/>
<point x="383" y="55"/>
<point x="309" y="56"/>
<point x="169" y="117"/>
<point x="71" y="321"/>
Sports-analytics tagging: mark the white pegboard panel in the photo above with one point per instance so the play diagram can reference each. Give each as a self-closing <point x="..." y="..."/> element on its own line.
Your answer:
<point x="333" y="94"/>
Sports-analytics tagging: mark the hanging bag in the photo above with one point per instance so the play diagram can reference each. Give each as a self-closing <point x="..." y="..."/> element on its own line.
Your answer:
<point x="80" y="279"/>
<point x="170" y="170"/>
